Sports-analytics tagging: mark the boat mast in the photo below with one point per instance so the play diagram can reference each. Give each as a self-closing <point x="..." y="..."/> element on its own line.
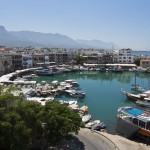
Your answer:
<point x="135" y="79"/>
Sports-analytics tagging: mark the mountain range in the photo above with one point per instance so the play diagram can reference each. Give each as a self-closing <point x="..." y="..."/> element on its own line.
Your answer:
<point x="37" y="39"/>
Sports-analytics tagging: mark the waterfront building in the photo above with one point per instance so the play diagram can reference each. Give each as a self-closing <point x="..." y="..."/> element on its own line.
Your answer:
<point x="16" y="60"/>
<point x="29" y="56"/>
<point x="4" y="49"/>
<point x="38" y="57"/>
<point x="5" y="64"/>
<point x="115" y="57"/>
<point x="72" y="52"/>
<point x="107" y="58"/>
<point x="92" y="56"/>
<point x="27" y="60"/>
<point x="52" y="57"/>
<point x="89" y="51"/>
<point x="145" y="62"/>
<point x="100" y="58"/>
<point x="61" y="58"/>
<point x="93" y="59"/>
<point x="125" y="56"/>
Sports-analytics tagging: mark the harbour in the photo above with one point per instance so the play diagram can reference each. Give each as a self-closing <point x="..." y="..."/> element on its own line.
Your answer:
<point x="94" y="94"/>
<point x="75" y="75"/>
<point x="103" y="92"/>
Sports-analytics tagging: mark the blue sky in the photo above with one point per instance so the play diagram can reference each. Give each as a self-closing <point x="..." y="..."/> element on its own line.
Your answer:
<point x="124" y="22"/>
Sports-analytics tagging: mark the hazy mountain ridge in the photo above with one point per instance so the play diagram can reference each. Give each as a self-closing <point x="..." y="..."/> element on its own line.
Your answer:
<point x="97" y="43"/>
<point x="37" y="39"/>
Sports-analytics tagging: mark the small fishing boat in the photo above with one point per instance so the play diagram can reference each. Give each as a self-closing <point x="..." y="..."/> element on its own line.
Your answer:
<point x="45" y="72"/>
<point x="99" y="126"/>
<point x="41" y="100"/>
<point x="69" y="81"/>
<point x="117" y="69"/>
<point x="55" y="82"/>
<point x="84" y="108"/>
<point x="68" y="102"/>
<point x="78" y="94"/>
<point x="72" y="82"/>
<point x="102" y="69"/>
<point x="145" y="102"/>
<point x="86" y="118"/>
<point x="91" y="123"/>
<point x="74" y="107"/>
<point x="69" y="92"/>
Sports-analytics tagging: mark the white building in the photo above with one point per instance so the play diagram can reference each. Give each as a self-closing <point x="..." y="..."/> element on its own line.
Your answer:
<point x="125" y="56"/>
<point x="27" y="60"/>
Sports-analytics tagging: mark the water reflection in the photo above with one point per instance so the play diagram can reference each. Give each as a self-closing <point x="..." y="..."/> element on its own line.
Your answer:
<point x="103" y="91"/>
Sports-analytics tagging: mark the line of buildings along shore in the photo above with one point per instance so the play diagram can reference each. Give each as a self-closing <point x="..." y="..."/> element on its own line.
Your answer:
<point x="12" y="59"/>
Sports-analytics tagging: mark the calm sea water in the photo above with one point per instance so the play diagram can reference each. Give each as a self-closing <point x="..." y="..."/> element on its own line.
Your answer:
<point x="103" y="92"/>
<point x="141" y="53"/>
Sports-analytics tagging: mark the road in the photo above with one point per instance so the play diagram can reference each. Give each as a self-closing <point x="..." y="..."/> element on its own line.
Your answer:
<point x="89" y="140"/>
<point x="94" y="141"/>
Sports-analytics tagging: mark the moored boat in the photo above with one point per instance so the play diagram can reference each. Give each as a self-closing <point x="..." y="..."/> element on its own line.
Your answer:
<point x="91" y="123"/>
<point x="41" y="100"/>
<point x="86" y="118"/>
<point x="135" y="97"/>
<point x="131" y="121"/>
<point x="45" y="72"/>
<point x="74" y="107"/>
<point x="78" y="94"/>
<point x="98" y="126"/>
<point x="117" y="69"/>
<point x="137" y="88"/>
<point x="145" y="102"/>
<point x="68" y="102"/>
<point x="72" y="82"/>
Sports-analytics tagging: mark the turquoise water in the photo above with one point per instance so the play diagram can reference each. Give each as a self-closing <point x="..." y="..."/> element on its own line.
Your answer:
<point x="103" y="92"/>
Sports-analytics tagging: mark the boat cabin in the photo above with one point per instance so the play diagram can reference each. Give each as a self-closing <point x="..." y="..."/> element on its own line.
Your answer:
<point x="135" y="116"/>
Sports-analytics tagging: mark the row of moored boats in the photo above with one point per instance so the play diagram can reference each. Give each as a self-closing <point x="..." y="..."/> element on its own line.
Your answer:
<point x="133" y="121"/>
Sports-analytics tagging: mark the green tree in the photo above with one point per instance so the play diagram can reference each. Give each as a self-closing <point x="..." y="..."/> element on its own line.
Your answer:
<point x="13" y="132"/>
<point x="29" y="125"/>
<point x="137" y="61"/>
<point x="79" y="59"/>
<point x="59" y="122"/>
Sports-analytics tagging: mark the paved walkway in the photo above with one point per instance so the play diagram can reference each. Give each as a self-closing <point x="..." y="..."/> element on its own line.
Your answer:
<point x="88" y="140"/>
<point x="94" y="141"/>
